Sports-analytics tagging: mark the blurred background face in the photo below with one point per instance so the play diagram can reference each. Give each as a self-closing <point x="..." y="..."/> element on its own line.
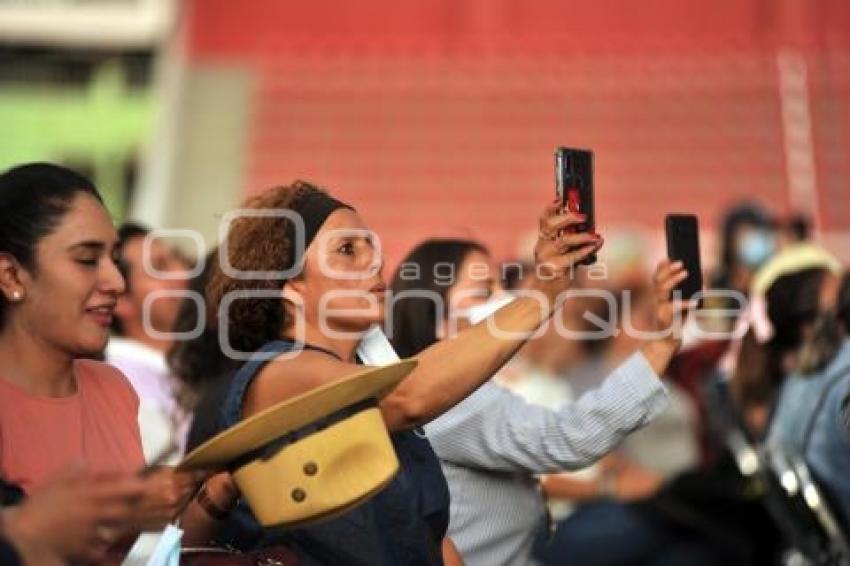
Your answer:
<point x="71" y="294"/>
<point x="754" y="245"/>
<point x="141" y="282"/>
<point x="343" y="271"/>
<point x="475" y="281"/>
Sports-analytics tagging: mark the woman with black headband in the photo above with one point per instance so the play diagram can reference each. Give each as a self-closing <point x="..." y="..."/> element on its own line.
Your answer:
<point x="332" y="295"/>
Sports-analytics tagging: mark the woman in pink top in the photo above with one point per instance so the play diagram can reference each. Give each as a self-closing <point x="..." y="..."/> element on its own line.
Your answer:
<point x="58" y="288"/>
<point x="95" y="424"/>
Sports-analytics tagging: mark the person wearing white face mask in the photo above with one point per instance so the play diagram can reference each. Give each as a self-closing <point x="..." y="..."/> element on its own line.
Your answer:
<point x="493" y="444"/>
<point x="754" y="246"/>
<point x="747" y="240"/>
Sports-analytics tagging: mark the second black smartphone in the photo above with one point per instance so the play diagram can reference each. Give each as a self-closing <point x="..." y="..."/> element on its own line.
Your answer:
<point x="574" y="186"/>
<point x="683" y="245"/>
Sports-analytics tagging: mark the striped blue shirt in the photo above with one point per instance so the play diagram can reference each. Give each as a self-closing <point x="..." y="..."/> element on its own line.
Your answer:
<point x="493" y="443"/>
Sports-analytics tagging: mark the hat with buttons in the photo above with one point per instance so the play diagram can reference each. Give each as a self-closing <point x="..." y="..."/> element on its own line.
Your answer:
<point x="313" y="456"/>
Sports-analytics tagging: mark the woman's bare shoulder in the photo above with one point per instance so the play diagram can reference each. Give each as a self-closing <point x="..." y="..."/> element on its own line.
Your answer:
<point x="289" y="375"/>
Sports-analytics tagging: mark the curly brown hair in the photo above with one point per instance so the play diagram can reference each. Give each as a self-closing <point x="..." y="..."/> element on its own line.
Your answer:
<point x="257" y="244"/>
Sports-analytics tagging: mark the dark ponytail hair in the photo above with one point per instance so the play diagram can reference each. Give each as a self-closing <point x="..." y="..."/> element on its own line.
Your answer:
<point x="33" y="199"/>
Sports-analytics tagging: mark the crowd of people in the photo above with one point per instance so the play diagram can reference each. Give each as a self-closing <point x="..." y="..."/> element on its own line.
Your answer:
<point x="524" y="435"/>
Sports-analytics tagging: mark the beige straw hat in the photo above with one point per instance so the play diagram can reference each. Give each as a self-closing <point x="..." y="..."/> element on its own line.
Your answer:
<point x="313" y="456"/>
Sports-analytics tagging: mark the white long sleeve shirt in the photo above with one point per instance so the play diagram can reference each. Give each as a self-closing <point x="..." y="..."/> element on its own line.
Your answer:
<point x="493" y="443"/>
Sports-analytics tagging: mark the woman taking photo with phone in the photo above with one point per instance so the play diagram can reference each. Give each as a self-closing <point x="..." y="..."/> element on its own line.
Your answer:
<point x="493" y="444"/>
<point x="321" y="310"/>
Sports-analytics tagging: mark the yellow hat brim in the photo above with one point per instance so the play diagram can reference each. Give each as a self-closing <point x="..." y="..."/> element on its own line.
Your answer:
<point x="793" y="259"/>
<point x="295" y="413"/>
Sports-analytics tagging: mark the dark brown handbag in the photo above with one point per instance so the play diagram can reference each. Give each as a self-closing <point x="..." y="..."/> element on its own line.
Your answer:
<point x="215" y="556"/>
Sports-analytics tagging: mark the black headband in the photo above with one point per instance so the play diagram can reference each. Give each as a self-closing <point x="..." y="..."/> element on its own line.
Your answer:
<point x="314" y="208"/>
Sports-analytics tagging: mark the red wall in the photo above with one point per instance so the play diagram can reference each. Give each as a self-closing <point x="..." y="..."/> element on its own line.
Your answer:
<point x="440" y="116"/>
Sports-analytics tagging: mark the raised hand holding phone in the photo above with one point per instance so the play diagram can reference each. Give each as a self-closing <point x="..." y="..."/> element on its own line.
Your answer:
<point x="574" y="188"/>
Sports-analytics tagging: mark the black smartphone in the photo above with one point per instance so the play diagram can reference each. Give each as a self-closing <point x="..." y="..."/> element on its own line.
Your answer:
<point x="574" y="186"/>
<point x="683" y="245"/>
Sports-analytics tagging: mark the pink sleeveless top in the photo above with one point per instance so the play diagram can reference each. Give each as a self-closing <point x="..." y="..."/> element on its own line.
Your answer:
<point x="97" y="425"/>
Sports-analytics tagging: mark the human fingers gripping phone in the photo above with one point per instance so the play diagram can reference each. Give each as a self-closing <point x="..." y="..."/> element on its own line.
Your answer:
<point x="559" y="246"/>
<point x="574" y="188"/>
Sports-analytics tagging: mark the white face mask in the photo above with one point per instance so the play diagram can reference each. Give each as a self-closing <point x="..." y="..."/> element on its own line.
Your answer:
<point x="375" y="348"/>
<point x="756" y="247"/>
<point x="477" y="313"/>
<point x="157" y="549"/>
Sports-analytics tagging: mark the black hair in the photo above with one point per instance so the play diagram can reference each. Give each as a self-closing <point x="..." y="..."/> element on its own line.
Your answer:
<point x="800" y="227"/>
<point x="793" y="301"/>
<point x="793" y="307"/>
<point x="198" y="361"/>
<point x="33" y="199"/>
<point x="414" y="318"/>
<point x="126" y="232"/>
<point x="744" y="214"/>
